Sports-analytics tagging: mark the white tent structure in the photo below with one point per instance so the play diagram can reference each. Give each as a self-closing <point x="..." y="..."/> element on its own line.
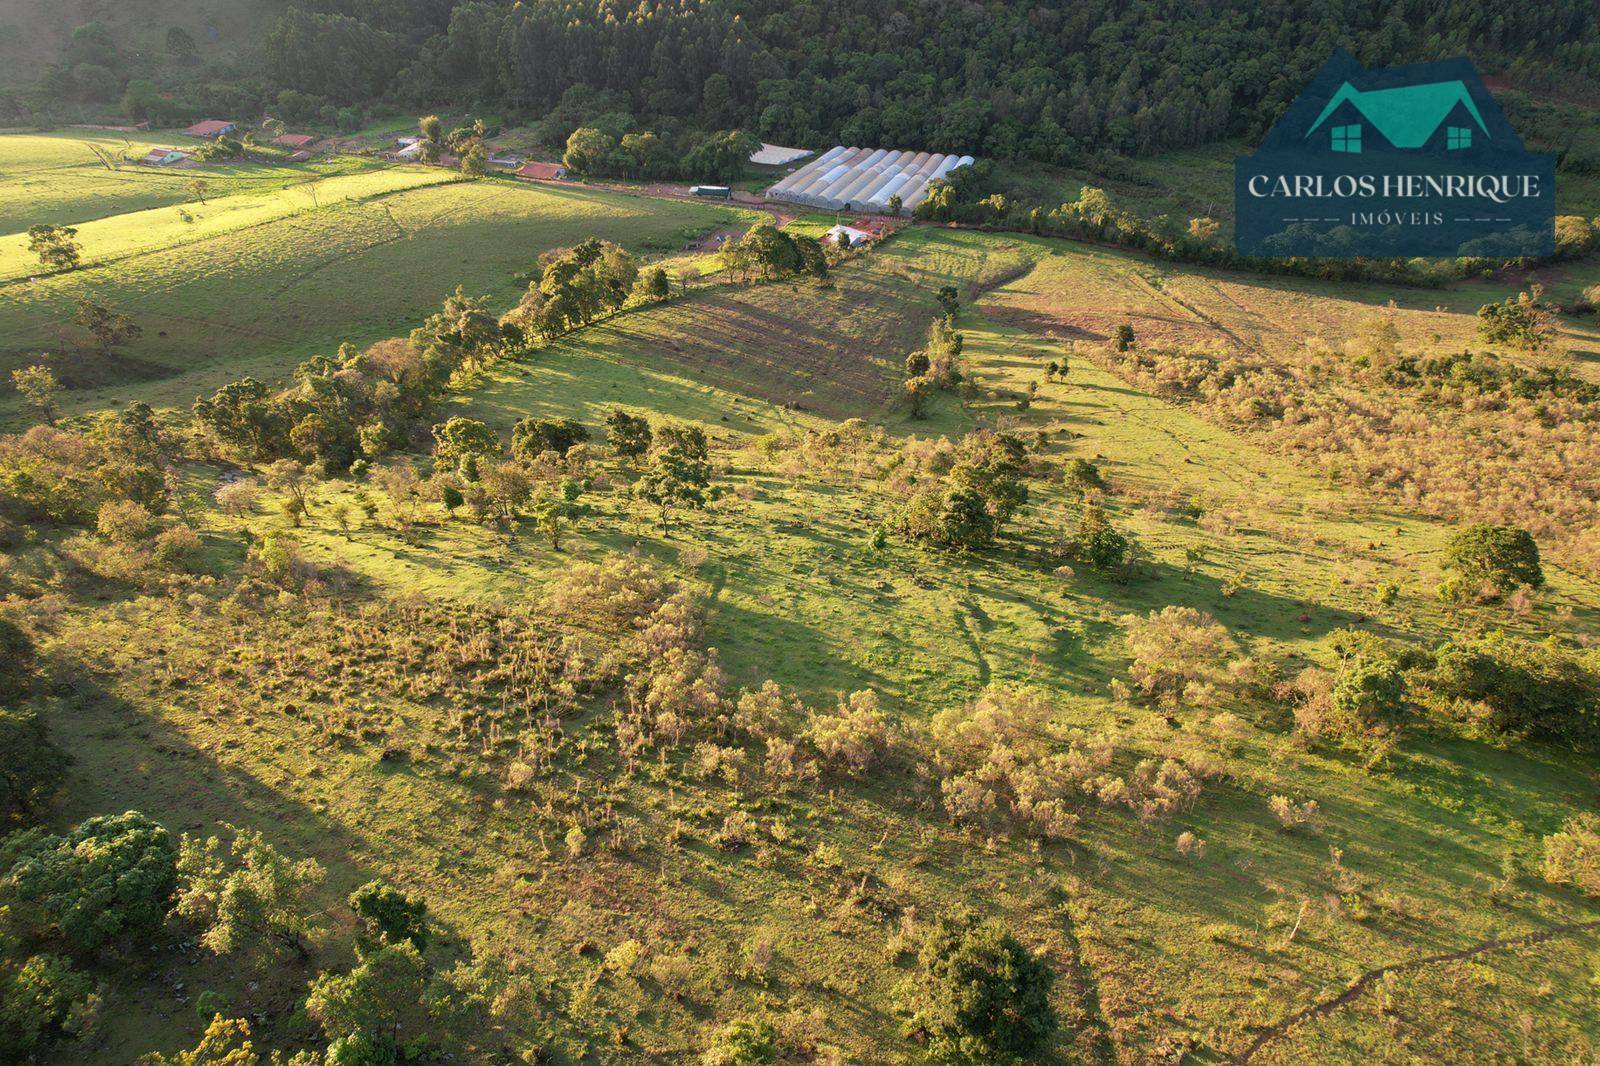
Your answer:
<point x="776" y="155"/>
<point x="863" y="179"/>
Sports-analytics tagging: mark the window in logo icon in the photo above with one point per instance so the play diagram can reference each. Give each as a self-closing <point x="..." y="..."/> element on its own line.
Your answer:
<point x="1347" y="138"/>
<point x="1458" y="137"/>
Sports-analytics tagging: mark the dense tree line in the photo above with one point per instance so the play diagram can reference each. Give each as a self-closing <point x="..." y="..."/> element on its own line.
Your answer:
<point x="1001" y="78"/>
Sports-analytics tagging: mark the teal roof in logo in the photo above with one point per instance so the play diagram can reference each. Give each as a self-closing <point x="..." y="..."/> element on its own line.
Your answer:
<point x="1407" y="116"/>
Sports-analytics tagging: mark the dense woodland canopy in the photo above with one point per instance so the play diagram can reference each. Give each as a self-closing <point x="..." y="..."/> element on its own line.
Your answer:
<point x="1005" y="78"/>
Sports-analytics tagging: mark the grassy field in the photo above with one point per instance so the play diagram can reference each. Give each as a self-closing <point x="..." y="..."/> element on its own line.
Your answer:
<point x="260" y="280"/>
<point x="285" y="713"/>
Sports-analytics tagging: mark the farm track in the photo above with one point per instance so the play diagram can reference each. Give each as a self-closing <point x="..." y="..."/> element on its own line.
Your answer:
<point x="1325" y="1007"/>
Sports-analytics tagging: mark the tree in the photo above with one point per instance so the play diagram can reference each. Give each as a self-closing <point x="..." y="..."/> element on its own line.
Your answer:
<point x="38" y="999"/>
<point x="952" y="517"/>
<point x="1522" y="322"/>
<point x="377" y="1001"/>
<point x="109" y="327"/>
<point x="1097" y="545"/>
<point x="895" y="205"/>
<point x="430" y="128"/>
<point x="678" y="474"/>
<point x="475" y="164"/>
<point x="628" y="435"/>
<point x="56" y="246"/>
<point x="39" y="387"/>
<point x="1122" y="337"/>
<point x="31" y="767"/>
<point x="949" y="301"/>
<point x="994" y="465"/>
<point x="389" y="916"/>
<point x="654" y="285"/>
<point x="979" y="994"/>
<point x="247" y="897"/>
<point x="109" y="879"/>
<point x="226" y="1042"/>
<point x="180" y="45"/>
<point x="463" y="444"/>
<point x="589" y="151"/>
<point x="532" y="437"/>
<point x="291" y="478"/>
<point x="1490" y="559"/>
<point x="198" y="189"/>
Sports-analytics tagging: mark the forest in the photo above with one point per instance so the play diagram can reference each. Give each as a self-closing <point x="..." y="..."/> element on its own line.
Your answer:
<point x="1000" y="79"/>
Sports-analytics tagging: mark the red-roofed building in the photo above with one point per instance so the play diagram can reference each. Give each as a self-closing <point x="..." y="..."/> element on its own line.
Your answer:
<point x="541" y="172"/>
<point x="211" y="127"/>
<point x="295" y="140"/>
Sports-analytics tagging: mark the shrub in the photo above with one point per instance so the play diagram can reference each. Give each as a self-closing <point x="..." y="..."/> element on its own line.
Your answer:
<point x="1174" y="650"/>
<point x="1572" y="855"/>
<point x="856" y="735"/>
<point x="1525" y="687"/>
<point x="1492" y="560"/>
<point x="979" y="994"/>
<point x="38" y="1000"/>
<point x="742" y="1043"/>
<point x="1292" y="815"/>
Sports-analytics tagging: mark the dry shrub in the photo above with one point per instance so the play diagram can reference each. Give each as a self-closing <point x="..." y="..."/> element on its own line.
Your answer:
<point x="612" y="595"/>
<point x="999" y="754"/>
<point x="1179" y="654"/>
<point x="761" y="712"/>
<point x="1292" y="815"/>
<point x="1572" y="855"/>
<point x="855" y="736"/>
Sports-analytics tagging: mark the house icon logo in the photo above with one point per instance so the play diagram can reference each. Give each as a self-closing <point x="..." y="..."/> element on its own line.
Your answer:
<point x="1404" y="161"/>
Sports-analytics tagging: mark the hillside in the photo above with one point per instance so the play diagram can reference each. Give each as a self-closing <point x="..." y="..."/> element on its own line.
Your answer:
<point x="687" y="683"/>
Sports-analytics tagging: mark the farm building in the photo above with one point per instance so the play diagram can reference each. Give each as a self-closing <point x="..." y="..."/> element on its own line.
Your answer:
<point x="411" y="152"/>
<point x="775" y="155"/>
<point x="863" y="179"/>
<point x="295" y="140"/>
<point x="857" y="232"/>
<point x="211" y="127"/>
<point x="505" y="159"/>
<point x="161" y="157"/>
<point x="541" y="172"/>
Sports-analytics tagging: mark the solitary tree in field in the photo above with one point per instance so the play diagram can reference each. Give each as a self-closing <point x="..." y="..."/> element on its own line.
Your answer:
<point x="39" y="386"/>
<point x="979" y="994"/>
<point x="109" y="327"/>
<point x="56" y="246"/>
<point x="678" y="474"/>
<point x="1494" y="559"/>
<point x="198" y="188"/>
<point x="180" y="45"/>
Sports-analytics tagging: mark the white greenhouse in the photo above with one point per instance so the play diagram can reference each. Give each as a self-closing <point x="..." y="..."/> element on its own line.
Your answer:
<point x="863" y="179"/>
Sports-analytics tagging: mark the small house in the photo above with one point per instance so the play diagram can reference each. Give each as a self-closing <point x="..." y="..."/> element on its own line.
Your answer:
<point x="509" y="160"/>
<point x="541" y="172"/>
<point x="211" y="127"/>
<point x="411" y="152"/>
<point x="295" y="140"/>
<point x="161" y="157"/>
